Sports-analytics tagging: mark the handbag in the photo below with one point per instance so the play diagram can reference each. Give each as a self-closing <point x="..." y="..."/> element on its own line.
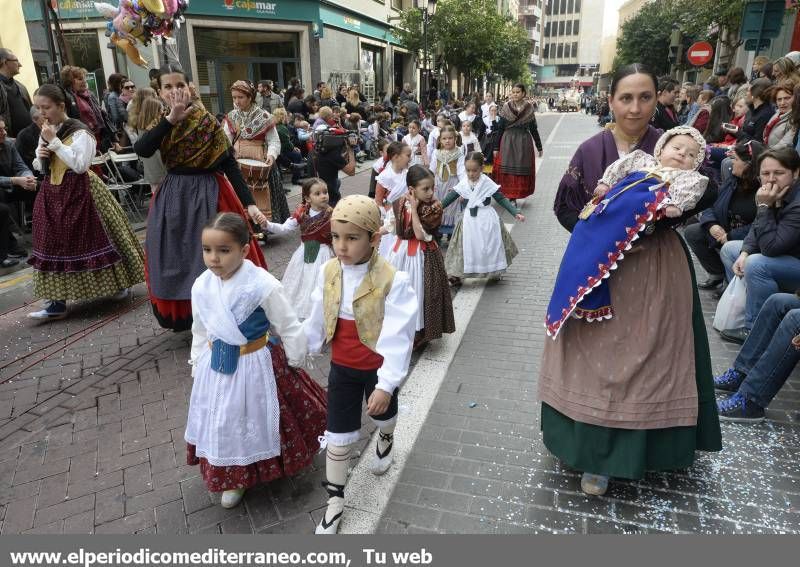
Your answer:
<point x="731" y="306"/>
<point x="350" y="166"/>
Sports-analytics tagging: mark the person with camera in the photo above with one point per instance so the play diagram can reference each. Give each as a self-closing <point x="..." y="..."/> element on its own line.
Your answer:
<point x="334" y="154"/>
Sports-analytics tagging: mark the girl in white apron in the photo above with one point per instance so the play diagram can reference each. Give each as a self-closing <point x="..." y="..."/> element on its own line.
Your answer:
<point x="390" y="186"/>
<point x="481" y="247"/>
<point x="252" y="418"/>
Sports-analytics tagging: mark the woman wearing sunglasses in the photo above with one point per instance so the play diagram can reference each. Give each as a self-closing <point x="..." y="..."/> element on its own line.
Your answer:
<point x="116" y="108"/>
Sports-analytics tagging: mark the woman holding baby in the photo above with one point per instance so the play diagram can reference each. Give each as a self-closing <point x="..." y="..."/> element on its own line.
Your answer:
<point x="627" y="388"/>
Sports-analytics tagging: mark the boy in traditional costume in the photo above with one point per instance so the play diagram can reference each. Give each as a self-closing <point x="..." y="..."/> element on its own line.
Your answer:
<point x="367" y="312"/>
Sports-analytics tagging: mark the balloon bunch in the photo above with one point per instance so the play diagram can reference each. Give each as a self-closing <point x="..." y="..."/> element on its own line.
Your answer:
<point x="139" y="21"/>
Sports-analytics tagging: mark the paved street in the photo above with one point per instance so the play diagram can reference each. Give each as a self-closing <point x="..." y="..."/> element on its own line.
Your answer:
<point x="93" y="408"/>
<point x="484" y="469"/>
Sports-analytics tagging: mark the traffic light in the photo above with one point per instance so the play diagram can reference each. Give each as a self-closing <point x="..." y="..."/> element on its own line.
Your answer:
<point x="675" y="47"/>
<point x="686" y="44"/>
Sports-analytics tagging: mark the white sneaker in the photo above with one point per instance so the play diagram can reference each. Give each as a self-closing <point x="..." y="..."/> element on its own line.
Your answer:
<point x="231" y="498"/>
<point x="384" y="460"/>
<point x="594" y="484"/>
<point x="121" y="295"/>
<point x="53" y="309"/>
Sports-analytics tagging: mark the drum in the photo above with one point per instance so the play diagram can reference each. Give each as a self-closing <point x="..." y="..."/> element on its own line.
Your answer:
<point x="256" y="175"/>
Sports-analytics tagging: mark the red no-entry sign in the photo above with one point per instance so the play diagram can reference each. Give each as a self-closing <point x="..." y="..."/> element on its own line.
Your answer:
<point x="700" y="53"/>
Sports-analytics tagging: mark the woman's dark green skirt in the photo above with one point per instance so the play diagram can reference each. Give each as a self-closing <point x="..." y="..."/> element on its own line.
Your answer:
<point x="630" y="453"/>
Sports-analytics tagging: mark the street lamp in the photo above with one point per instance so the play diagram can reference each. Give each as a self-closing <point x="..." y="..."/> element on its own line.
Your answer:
<point x="428" y="10"/>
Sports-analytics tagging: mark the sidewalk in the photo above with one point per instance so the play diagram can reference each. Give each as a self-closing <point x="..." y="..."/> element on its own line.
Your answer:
<point x="91" y="425"/>
<point x="479" y="465"/>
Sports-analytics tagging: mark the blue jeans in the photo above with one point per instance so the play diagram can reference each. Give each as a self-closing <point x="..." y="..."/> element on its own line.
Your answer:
<point x="763" y="276"/>
<point x="768" y="356"/>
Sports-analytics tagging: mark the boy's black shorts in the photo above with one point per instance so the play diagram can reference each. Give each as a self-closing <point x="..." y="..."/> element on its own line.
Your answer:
<point x="346" y="388"/>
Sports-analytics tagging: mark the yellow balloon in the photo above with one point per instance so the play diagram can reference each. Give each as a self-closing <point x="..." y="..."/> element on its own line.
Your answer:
<point x="130" y="50"/>
<point x="154" y="6"/>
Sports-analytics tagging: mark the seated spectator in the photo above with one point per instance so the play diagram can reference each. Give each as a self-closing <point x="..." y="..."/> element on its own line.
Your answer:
<point x="128" y="92"/>
<point x="769" y="256"/>
<point x="326" y="98"/>
<point x="353" y="123"/>
<point x="117" y="110"/>
<point x="736" y="78"/>
<point x="739" y="110"/>
<point x="28" y="138"/>
<point x="353" y="104"/>
<point x="17" y="183"/>
<point x="297" y="104"/>
<point x="687" y="100"/>
<point x="758" y="64"/>
<point x="83" y="105"/>
<point x="766" y="72"/>
<point x="324" y="119"/>
<point x="719" y="113"/>
<point x="341" y="94"/>
<point x="765" y="361"/>
<point x="701" y="117"/>
<point x="290" y="155"/>
<point x="759" y="111"/>
<point x="784" y="68"/>
<point x="294" y="90"/>
<point x="304" y="134"/>
<point x="665" y="116"/>
<point x="758" y="114"/>
<point x="338" y="115"/>
<point x="780" y="129"/>
<point x="730" y="217"/>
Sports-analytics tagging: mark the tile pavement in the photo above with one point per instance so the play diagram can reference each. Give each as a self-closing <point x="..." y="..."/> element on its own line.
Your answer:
<point x="484" y="469"/>
<point x="91" y="437"/>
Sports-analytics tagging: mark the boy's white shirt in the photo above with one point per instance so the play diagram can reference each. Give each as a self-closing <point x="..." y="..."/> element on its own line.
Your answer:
<point x="396" y="338"/>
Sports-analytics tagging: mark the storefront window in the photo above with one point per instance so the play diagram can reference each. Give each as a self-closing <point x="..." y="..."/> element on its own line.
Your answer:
<point x="83" y="49"/>
<point x="226" y="56"/>
<point x="372" y="60"/>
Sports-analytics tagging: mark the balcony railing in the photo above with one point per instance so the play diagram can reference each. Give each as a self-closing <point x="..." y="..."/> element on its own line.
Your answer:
<point x="530" y="10"/>
<point x="534" y="34"/>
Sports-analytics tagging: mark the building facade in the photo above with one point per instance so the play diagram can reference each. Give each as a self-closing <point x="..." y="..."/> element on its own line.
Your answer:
<point x="572" y="38"/>
<point x="222" y="41"/>
<point x="531" y="16"/>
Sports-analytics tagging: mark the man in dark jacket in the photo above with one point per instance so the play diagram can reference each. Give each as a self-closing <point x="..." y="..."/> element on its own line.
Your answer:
<point x="15" y="102"/>
<point x="665" y="117"/>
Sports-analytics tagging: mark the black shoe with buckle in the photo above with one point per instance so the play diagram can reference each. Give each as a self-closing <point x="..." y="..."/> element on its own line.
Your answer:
<point x="738" y="336"/>
<point x="710" y="283"/>
<point x="9" y="263"/>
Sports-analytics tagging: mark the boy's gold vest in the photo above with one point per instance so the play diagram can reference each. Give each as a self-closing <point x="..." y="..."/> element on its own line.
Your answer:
<point x="368" y="300"/>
